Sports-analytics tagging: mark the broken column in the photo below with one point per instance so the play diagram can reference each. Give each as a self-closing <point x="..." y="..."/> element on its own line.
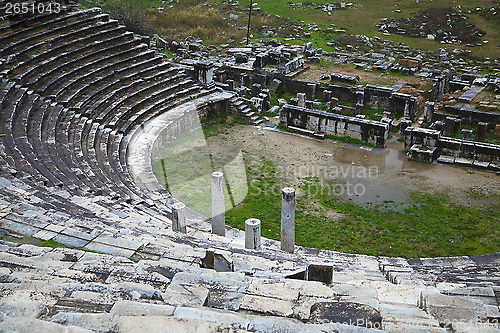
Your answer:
<point x="275" y="85"/>
<point x="252" y="234"/>
<point x="204" y="71"/>
<point x="288" y="219"/>
<point x="256" y="89"/>
<point x="482" y="128"/>
<point x="231" y="85"/>
<point x="403" y="125"/>
<point x="428" y="111"/>
<point x="327" y="96"/>
<point x="407" y="111"/>
<point x="301" y="100"/>
<point x="449" y="124"/>
<point x="218" y="207"/>
<point x="179" y="217"/>
<point x="466" y="134"/>
<point x="311" y="91"/>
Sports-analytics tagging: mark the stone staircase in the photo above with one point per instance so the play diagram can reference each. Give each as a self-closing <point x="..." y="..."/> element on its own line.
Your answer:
<point x="78" y="99"/>
<point x="243" y="107"/>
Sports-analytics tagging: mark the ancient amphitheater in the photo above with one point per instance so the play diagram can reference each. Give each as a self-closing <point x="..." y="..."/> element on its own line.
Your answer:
<point x="76" y="91"/>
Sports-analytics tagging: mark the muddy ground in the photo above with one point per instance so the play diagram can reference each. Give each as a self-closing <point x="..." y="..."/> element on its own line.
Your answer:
<point x="386" y="174"/>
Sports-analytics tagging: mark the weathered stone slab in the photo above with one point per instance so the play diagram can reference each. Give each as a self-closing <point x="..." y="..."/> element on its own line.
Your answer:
<point x="309" y="288"/>
<point x="16" y="309"/>
<point x="97" y="322"/>
<point x="227" y="300"/>
<point x="413" y="328"/>
<point x="475" y="328"/>
<point x="226" y="282"/>
<point x="272" y="288"/>
<point x="189" y="295"/>
<point x="272" y="306"/>
<point x="17" y="227"/>
<point x="129" y="308"/>
<point x="109" y="249"/>
<point x="237" y="321"/>
<point x="28" y="250"/>
<point x="160" y="323"/>
<point x="345" y="312"/>
<point x="446" y="315"/>
<point x="24" y="324"/>
<point x="68" y="304"/>
<point x="45" y="234"/>
<point x="70" y="240"/>
<point x="400" y="313"/>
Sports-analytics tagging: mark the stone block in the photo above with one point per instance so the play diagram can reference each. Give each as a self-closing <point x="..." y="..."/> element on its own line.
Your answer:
<point x="266" y="305"/>
<point x="272" y="288"/>
<point x="275" y="85"/>
<point x="185" y="295"/>
<point x="345" y="312"/>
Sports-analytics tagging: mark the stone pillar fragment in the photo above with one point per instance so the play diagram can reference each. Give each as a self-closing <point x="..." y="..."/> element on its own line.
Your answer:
<point x="179" y="217"/>
<point x="428" y="111"/>
<point x="301" y="100"/>
<point x="327" y="96"/>
<point x="288" y="219"/>
<point x="482" y="128"/>
<point x="218" y="206"/>
<point x="466" y="134"/>
<point x="449" y="125"/>
<point x="252" y="234"/>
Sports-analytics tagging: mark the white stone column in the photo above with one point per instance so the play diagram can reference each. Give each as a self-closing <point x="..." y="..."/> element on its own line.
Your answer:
<point x="179" y="217"/>
<point x="218" y="207"/>
<point x="252" y="234"/>
<point x="288" y="219"/>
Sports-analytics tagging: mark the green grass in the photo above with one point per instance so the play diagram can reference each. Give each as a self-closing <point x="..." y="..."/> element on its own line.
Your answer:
<point x="491" y="137"/>
<point x="370" y="113"/>
<point x="427" y="225"/>
<point x="431" y="226"/>
<point x="207" y="21"/>
<point x="53" y="244"/>
<point x="458" y="134"/>
<point x="363" y="21"/>
<point x="350" y="140"/>
<point x="187" y="165"/>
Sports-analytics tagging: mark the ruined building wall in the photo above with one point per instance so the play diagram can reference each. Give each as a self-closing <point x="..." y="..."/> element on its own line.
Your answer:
<point x="468" y="114"/>
<point x="315" y="121"/>
<point x="478" y="153"/>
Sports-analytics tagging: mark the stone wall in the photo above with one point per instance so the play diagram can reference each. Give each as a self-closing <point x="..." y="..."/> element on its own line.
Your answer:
<point x="428" y="145"/>
<point x="185" y="122"/>
<point x="386" y="99"/>
<point x="320" y="122"/>
<point x="468" y="113"/>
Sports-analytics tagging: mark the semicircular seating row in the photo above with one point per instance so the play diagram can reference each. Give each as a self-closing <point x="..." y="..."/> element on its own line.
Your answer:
<point x="75" y="85"/>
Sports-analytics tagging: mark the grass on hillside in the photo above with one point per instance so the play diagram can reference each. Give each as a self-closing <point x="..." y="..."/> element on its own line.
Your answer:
<point x="209" y="20"/>
<point x="432" y="225"/>
<point x="363" y="20"/>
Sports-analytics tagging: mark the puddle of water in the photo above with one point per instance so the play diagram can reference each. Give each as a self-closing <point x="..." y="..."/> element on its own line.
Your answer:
<point x="361" y="174"/>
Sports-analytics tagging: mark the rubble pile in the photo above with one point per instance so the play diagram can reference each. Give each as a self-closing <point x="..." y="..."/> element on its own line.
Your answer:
<point x="446" y="25"/>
